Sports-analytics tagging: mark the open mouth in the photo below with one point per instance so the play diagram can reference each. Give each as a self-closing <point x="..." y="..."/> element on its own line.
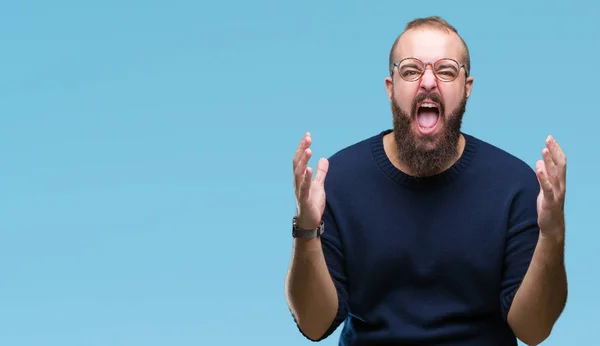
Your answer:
<point x="428" y="115"/>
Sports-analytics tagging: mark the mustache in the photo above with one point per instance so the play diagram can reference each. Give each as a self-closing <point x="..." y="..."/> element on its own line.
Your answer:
<point x="433" y="96"/>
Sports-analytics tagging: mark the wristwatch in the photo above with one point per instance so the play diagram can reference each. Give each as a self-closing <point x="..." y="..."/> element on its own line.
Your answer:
<point x="306" y="233"/>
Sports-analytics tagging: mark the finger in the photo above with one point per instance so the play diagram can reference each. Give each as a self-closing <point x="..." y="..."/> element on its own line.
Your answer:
<point x="549" y="165"/>
<point x="322" y="168"/>
<point x="305" y="185"/>
<point x="304" y="143"/>
<point x="558" y="178"/>
<point x="545" y="184"/>
<point x="558" y="155"/>
<point x="301" y="167"/>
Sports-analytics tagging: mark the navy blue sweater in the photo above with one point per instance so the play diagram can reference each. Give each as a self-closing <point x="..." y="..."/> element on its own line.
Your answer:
<point x="433" y="261"/>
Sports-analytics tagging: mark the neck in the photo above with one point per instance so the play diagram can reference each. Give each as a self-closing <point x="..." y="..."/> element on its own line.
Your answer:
<point x="391" y="150"/>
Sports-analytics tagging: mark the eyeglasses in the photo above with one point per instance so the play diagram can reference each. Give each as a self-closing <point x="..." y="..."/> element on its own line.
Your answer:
<point x="446" y="70"/>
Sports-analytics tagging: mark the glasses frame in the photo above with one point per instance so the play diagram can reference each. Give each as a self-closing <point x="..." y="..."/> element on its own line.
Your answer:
<point x="396" y="65"/>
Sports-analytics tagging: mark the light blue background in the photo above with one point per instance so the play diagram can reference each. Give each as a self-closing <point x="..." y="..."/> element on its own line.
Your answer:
<point x="146" y="146"/>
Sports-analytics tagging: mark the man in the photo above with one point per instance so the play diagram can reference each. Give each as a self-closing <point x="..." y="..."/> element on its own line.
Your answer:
<point x="424" y="235"/>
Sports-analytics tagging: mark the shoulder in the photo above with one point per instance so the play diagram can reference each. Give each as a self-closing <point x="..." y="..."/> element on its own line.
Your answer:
<point x="504" y="178"/>
<point x="352" y="164"/>
<point x="354" y="156"/>
<point x="502" y="165"/>
<point x="355" y="153"/>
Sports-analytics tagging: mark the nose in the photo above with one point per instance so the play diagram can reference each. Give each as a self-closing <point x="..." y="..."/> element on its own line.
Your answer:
<point x="428" y="80"/>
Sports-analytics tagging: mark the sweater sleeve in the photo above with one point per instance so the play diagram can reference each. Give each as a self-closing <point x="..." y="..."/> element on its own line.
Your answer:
<point x="521" y="240"/>
<point x="334" y="256"/>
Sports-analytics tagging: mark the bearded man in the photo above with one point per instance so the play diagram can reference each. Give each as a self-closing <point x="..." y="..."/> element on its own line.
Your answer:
<point x="423" y="234"/>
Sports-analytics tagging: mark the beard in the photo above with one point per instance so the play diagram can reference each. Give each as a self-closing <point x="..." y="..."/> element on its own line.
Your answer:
<point x="428" y="155"/>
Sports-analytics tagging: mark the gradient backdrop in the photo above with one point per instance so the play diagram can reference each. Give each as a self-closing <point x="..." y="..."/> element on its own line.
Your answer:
<point x="146" y="147"/>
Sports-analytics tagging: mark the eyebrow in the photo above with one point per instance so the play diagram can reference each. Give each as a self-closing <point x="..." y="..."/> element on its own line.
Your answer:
<point x="447" y="65"/>
<point x="411" y="65"/>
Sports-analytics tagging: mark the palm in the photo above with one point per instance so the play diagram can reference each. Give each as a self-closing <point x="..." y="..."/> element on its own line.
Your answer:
<point x="314" y="205"/>
<point x="542" y="208"/>
<point x="310" y="193"/>
<point x="551" y="172"/>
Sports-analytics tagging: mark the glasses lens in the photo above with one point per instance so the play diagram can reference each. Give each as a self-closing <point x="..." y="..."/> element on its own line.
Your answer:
<point x="410" y="69"/>
<point x="447" y="70"/>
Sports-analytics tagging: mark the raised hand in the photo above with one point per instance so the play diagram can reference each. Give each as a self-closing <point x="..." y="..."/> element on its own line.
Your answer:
<point x="310" y="194"/>
<point x="552" y="173"/>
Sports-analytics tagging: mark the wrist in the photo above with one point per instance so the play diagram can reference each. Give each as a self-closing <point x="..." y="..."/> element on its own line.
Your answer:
<point x="552" y="245"/>
<point x="556" y="237"/>
<point x="307" y="247"/>
<point x="302" y="223"/>
<point x="300" y="230"/>
<point x="553" y="240"/>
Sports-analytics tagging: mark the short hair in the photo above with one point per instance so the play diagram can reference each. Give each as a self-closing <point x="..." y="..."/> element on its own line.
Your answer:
<point x="431" y="22"/>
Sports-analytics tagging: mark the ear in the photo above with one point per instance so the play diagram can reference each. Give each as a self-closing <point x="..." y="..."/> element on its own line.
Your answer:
<point x="469" y="85"/>
<point x="389" y="87"/>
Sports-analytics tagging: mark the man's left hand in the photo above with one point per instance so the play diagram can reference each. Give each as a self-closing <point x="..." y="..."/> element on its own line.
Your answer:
<point x="552" y="173"/>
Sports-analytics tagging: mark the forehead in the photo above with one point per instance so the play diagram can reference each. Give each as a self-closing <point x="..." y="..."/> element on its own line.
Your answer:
<point x="429" y="44"/>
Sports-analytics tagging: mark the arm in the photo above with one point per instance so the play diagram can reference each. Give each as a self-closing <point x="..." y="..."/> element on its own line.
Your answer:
<point x="310" y="291"/>
<point x="542" y="294"/>
<point x="315" y="283"/>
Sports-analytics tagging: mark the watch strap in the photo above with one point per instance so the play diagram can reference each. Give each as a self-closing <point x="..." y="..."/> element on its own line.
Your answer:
<point x="306" y="233"/>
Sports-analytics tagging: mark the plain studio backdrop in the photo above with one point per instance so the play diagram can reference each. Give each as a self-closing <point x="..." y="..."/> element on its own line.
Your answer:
<point x="146" y="151"/>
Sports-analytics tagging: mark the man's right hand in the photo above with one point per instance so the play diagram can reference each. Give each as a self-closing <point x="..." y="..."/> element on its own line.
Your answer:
<point x="310" y="194"/>
<point x="310" y="291"/>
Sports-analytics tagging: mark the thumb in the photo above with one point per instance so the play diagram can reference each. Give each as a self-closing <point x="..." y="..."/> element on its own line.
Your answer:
<point x="539" y="169"/>
<point x="322" y="168"/>
<point x="542" y="176"/>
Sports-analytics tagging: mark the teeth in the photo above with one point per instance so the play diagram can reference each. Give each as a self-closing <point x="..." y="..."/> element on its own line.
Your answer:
<point x="428" y="105"/>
